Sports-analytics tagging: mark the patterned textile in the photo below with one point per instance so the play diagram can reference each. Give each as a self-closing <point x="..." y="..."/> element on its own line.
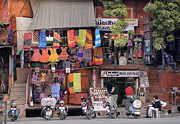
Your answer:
<point x="82" y="37"/>
<point x="98" y="56"/>
<point x="89" y="39"/>
<point x="67" y="64"/>
<point x="80" y="54"/>
<point x="70" y="83"/>
<point x="97" y="38"/>
<point x="54" y="56"/>
<point x="42" y="39"/>
<point x="36" y="56"/>
<point x="57" y="40"/>
<point x="88" y="55"/>
<point x="57" y="36"/>
<point x="77" y="82"/>
<point x="55" y="90"/>
<point x="27" y="40"/>
<point x="35" y="38"/>
<point x="71" y="38"/>
<point x="35" y="79"/>
<point x="63" y="55"/>
<point x="45" y="56"/>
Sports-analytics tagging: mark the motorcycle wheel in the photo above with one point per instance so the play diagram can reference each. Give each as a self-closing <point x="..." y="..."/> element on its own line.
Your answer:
<point x="14" y="118"/>
<point x="88" y="114"/>
<point x="93" y="114"/>
<point x="47" y="117"/>
<point x="62" y="116"/>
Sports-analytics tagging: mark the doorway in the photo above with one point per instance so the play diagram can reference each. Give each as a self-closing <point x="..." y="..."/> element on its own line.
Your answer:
<point x="121" y="83"/>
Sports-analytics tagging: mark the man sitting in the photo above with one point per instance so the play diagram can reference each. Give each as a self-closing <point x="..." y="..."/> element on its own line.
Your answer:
<point x="156" y="106"/>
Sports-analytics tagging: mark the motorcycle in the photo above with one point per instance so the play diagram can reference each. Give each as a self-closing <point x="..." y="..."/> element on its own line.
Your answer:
<point x="110" y="109"/>
<point x="62" y="110"/>
<point x="48" y="105"/>
<point x="87" y="108"/>
<point x="134" y="108"/>
<point x="13" y="114"/>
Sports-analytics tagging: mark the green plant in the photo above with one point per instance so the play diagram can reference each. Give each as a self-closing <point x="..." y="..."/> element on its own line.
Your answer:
<point x="165" y="16"/>
<point x="121" y="41"/>
<point x="116" y="8"/>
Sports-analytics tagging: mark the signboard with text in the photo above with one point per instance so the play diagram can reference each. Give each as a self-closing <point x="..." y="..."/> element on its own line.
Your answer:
<point x="104" y="24"/>
<point x="109" y="73"/>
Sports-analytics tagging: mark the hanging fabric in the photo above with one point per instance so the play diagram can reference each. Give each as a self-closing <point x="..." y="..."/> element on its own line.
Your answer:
<point x="49" y="38"/>
<point x="77" y="82"/>
<point x="88" y="56"/>
<point x="54" y="56"/>
<point x="67" y="64"/>
<point x="42" y="39"/>
<point x="35" y="38"/>
<point x="43" y="77"/>
<point x="55" y="90"/>
<point x="27" y="40"/>
<point x="76" y="35"/>
<point x="89" y="39"/>
<point x="70" y="83"/>
<point x="140" y="51"/>
<point x="71" y="38"/>
<point x="97" y="38"/>
<point x="63" y="55"/>
<point x="80" y="54"/>
<point x="98" y="56"/>
<point x="82" y="37"/>
<point x="36" y="56"/>
<point x="35" y="79"/>
<point x="45" y="56"/>
<point x="57" y="40"/>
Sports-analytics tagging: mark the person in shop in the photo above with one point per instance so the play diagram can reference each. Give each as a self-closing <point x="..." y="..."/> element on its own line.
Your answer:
<point x="129" y="92"/>
<point x="113" y="91"/>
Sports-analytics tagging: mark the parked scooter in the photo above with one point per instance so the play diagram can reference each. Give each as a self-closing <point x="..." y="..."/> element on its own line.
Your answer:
<point x="87" y="108"/>
<point x="48" y="105"/>
<point x="134" y="108"/>
<point x="110" y="109"/>
<point x="62" y="110"/>
<point x="13" y="113"/>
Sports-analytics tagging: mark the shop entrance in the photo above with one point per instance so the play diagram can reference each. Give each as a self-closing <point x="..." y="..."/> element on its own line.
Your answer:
<point x="121" y="83"/>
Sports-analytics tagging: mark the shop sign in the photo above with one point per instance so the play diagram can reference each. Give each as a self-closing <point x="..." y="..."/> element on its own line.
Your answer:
<point x="104" y="24"/>
<point x="120" y="73"/>
<point x="98" y="95"/>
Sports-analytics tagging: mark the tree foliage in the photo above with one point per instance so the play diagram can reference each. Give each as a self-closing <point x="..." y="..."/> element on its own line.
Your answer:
<point x="116" y="8"/>
<point x="165" y="20"/>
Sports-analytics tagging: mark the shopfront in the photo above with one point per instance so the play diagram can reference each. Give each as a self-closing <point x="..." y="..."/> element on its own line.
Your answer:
<point x="122" y="79"/>
<point x="59" y="50"/>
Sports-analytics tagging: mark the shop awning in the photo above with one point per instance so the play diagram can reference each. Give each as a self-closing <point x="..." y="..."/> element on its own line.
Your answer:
<point x="62" y="14"/>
